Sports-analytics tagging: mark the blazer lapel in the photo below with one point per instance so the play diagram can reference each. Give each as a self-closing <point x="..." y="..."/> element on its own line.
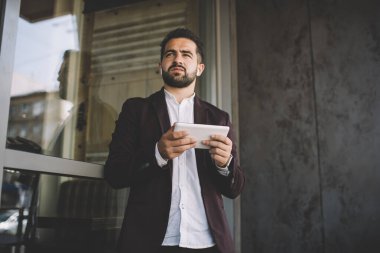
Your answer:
<point x="200" y="117"/>
<point x="159" y="105"/>
<point x="200" y="113"/>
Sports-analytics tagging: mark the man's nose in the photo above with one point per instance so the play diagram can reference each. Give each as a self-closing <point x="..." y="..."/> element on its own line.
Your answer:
<point x="178" y="59"/>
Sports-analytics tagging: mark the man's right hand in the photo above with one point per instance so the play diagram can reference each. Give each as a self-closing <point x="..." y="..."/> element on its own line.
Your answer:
<point x="173" y="144"/>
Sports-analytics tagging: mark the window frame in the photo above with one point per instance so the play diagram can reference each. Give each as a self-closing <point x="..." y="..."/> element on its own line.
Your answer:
<point x="7" y="48"/>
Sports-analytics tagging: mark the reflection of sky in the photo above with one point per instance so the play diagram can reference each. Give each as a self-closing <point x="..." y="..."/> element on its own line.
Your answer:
<point x="39" y="50"/>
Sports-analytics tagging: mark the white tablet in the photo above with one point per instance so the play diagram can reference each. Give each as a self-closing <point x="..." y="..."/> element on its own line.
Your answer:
<point x="201" y="132"/>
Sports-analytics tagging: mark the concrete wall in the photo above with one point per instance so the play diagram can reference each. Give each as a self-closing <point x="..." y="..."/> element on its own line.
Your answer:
<point x="309" y="74"/>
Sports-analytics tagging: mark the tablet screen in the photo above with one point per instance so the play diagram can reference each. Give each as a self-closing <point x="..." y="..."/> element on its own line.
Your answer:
<point x="201" y="131"/>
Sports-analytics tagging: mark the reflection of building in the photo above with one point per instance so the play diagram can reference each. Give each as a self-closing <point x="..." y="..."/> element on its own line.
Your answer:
<point x="38" y="117"/>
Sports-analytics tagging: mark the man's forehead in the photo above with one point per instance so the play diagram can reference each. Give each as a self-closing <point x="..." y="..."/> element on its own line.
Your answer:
<point x="181" y="44"/>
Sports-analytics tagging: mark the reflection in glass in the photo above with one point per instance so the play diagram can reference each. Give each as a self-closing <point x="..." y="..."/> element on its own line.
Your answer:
<point x="18" y="208"/>
<point x="85" y="215"/>
<point x="47" y="213"/>
<point x="37" y="111"/>
<point x="38" y="117"/>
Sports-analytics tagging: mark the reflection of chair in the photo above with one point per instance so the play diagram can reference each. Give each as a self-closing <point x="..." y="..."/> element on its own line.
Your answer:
<point x="89" y="216"/>
<point x="19" y="200"/>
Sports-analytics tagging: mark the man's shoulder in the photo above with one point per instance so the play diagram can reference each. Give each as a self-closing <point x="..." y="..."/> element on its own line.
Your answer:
<point x="208" y="106"/>
<point x="134" y="101"/>
<point x="142" y="100"/>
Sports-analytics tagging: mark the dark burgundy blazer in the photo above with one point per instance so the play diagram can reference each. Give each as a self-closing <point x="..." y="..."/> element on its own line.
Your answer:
<point x="132" y="163"/>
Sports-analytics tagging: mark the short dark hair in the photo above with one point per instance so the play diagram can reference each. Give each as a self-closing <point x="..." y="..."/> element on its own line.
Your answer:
<point x="183" y="33"/>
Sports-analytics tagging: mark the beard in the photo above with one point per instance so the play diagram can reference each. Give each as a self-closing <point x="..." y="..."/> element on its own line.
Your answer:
<point x="178" y="81"/>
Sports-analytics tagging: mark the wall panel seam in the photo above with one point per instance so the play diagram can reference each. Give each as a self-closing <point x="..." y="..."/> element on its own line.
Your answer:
<point x="309" y="17"/>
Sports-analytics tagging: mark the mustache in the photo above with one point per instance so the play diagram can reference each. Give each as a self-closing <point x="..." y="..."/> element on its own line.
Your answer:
<point x="175" y="65"/>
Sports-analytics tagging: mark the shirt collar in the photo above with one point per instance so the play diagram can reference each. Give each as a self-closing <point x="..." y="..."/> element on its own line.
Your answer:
<point x="169" y="96"/>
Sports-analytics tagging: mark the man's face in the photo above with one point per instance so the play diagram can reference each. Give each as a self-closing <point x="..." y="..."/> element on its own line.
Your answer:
<point x="179" y="63"/>
<point x="62" y="78"/>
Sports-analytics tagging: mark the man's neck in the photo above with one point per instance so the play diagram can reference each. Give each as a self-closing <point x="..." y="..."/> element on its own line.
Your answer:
<point x="181" y="93"/>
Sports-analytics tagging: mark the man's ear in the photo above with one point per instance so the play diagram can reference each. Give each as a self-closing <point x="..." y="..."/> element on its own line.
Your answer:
<point x="200" y="69"/>
<point x="159" y="69"/>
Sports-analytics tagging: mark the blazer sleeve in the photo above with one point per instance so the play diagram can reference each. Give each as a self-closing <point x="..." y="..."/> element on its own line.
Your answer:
<point x="129" y="162"/>
<point x="232" y="185"/>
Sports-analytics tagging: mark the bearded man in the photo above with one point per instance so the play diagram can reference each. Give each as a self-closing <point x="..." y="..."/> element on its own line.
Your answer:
<point x="175" y="202"/>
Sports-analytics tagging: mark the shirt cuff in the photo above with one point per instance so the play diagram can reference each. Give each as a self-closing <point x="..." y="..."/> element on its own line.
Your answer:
<point x="223" y="171"/>
<point x="160" y="161"/>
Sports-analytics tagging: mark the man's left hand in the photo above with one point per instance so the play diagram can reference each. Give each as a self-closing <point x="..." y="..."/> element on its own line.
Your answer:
<point x="220" y="149"/>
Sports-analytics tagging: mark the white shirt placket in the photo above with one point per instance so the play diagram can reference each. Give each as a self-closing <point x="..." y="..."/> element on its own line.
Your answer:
<point x="187" y="202"/>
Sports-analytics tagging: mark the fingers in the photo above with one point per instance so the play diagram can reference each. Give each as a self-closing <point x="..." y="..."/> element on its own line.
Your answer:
<point x="177" y="135"/>
<point x="182" y="141"/>
<point x="173" y="152"/>
<point x="220" y="149"/>
<point x="216" y="152"/>
<point x="173" y="144"/>
<point x="220" y="142"/>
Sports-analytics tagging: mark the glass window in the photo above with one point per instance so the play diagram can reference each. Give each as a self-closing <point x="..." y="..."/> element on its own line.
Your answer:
<point x="39" y="112"/>
<point x="73" y="70"/>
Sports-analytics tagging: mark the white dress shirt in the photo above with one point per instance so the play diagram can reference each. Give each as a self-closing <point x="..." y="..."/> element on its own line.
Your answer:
<point x="187" y="226"/>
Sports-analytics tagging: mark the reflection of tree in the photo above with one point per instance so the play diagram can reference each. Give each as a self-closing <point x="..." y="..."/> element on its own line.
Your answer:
<point x="61" y="113"/>
<point x="101" y="117"/>
<point x="101" y="120"/>
<point x="65" y="108"/>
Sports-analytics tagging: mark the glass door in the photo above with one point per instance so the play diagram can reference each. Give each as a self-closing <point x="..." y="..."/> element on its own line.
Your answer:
<point x="73" y="68"/>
